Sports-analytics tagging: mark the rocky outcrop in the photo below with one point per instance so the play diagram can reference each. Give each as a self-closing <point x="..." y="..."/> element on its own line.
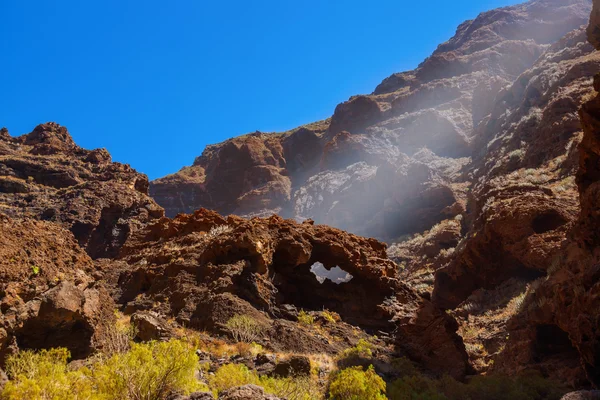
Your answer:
<point x="45" y="175"/>
<point x="393" y="162"/>
<point x="524" y="276"/>
<point x="48" y="295"/>
<point x="558" y="326"/>
<point x="204" y="269"/>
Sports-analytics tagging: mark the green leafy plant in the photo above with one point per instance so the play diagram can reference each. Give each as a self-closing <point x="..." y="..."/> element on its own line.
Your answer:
<point x="44" y="375"/>
<point x="35" y="270"/>
<point x="148" y="371"/>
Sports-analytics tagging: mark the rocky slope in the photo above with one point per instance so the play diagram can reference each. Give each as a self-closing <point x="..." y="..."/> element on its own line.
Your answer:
<point x="393" y="162"/>
<point x="45" y="175"/>
<point x="80" y="238"/>
<point x="476" y="165"/>
<point x="468" y="165"/>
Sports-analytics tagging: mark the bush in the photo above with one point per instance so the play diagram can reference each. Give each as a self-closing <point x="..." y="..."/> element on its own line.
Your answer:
<point x="363" y="349"/>
<point x="231" y="375"/>
<point x="330" y="316"/>
<point x="356" y="384"/>
<point x="291" y="388"/>
<point x="305" y="318"/>
<point x="149" y="371"/>
<point x="244" y="328"/>
<point x="116" y="335"/>
<point x="415" y="387"/>
<point x="44" y="375"/>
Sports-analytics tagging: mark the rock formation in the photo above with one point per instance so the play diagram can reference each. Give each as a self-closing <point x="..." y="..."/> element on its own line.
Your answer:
<point x="394" y="162"/>
<point x="49" y="297"/>
<point x="476" y="166"/>
<point x="45" y="175"/>
<point x="204" y="269"/>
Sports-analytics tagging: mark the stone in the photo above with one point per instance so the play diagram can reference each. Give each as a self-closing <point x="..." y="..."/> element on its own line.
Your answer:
<point x="246" y="392"/>
<point x="294" y="366"/>
<point x="150" y="326"/>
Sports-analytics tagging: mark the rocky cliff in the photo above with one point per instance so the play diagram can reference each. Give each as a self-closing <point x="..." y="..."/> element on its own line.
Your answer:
<point x="480" y="167"/>
<point x="398" y="161"/>
<point x="468" y="166"/>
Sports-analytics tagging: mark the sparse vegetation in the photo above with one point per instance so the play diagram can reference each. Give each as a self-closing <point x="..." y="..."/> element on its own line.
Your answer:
<point x="330" y="316"/>
<point x="516" y="154"/>
<point x="116" y="336"/>
<point x="292" y="388"/>
<point x="354" y="383"/>
<point x="148" y="371"/>
<point x="305" y="318"/>
<point x="244" y="328"/>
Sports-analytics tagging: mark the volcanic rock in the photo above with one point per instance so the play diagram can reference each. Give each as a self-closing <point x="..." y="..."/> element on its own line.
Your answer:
<point x="49" y="298"/>
<point x="354" y="170"/>
<point x="45" y="175"/>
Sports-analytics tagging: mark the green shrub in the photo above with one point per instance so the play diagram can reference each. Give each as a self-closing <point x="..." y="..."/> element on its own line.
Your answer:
<point x="44" y="375"/>
<point x="363" y="349"/>
<point x="231" y="375"/>
<point x="291" y="388"/>
<point x="148" y="371"/>
<point x="305" y="318"/>
<point x="404" y="367"/>
<point x="527" y="386"/>
<point x="330" y="316"/>
<point x="416" y="387"/>
<point x="354" y="383"/>
<point x="244" y="328"/>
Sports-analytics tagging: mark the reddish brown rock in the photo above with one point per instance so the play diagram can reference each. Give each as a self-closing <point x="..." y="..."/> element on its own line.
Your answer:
<point x="49" y="298"/>
<point x="451" y="106"/>
<point x="46" y="176"/>
<point x="203" y="269"/>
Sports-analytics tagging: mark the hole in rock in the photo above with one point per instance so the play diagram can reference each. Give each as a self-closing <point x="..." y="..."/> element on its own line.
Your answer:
<point x="335" y="274"/>
<point x="547" y="221"/>
<point x="323" y="282"/>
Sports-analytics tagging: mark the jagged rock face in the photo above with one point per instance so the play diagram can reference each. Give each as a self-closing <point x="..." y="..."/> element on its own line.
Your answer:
<point x="559" y="323"/>
<point x="203" y="269"/>
<point x="527" y="222"/>
<point x="48" y="296"/>
<point x="45" y="175"/>
<point x="355" y="170"/>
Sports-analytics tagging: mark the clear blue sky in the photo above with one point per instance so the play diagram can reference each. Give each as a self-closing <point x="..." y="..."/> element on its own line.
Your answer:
<point x="155" y="81"/>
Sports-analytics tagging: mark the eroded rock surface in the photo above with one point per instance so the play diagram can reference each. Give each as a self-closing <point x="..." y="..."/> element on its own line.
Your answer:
<point x="204" y="269"/>
<point x="45" y="175"/>
<point x="394" y="162"/>
<point x="48" y="294"/>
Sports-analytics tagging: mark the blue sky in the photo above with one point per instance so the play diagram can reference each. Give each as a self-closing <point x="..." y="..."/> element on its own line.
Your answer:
<point x="156" y="81"/>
